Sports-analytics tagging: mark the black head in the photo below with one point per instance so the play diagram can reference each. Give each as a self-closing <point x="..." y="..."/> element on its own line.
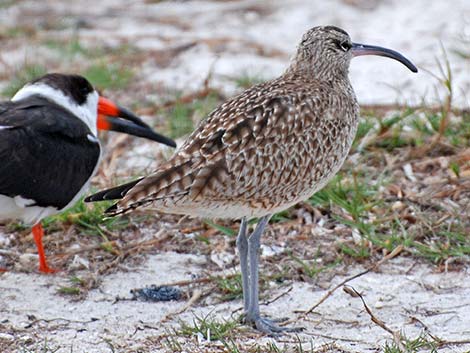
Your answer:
<point x="75" y="87"/>
<point x="75" y="93"/>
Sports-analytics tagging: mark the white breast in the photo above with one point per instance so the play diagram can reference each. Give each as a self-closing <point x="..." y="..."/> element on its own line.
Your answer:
<point x="17" y="208"/>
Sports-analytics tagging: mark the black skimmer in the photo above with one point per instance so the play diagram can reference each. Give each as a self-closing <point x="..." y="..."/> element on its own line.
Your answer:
<point x="49" y="148"/>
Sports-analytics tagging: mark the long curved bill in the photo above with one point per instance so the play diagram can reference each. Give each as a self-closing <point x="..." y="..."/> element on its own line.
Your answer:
<point x="364" y="49"/>
<point x="113" y="117"/>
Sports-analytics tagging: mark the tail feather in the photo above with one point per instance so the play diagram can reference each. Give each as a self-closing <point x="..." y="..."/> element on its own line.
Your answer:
<point x="115" y="193"/>
<point x="116" y="210"/>
<point x="170" y="182"/>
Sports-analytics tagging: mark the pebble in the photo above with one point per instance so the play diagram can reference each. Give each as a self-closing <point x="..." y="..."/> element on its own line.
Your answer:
<point x="222" y="259"/>
<point x="156" y="293"/>
<point x="7" y="337"/>
<point x="27" y="260"/>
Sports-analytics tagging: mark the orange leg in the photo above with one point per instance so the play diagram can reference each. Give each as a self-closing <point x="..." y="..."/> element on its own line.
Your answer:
<point x="38" y="233"/>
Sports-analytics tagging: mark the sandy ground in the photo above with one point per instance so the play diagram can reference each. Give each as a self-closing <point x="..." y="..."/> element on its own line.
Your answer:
<point x="256" y="38"/>
<point x="407" y="296"/>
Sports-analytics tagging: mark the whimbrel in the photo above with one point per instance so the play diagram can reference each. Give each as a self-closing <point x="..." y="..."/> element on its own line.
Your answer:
<point x="49" y="148"/>
<point x="262" y="151"/>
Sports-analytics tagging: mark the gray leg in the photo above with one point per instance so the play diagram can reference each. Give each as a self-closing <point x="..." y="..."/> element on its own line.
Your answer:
<point x="253" y="314"/>
<point x="242" y="245"/>
<point x="253" y="256"/>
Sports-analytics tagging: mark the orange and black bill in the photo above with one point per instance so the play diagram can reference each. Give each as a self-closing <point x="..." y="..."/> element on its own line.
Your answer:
<point x="116" y="118"/>
<point x="365" y="49"/>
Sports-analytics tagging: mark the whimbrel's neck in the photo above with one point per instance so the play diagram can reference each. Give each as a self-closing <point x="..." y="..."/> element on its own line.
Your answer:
<point x="316" y="71"/>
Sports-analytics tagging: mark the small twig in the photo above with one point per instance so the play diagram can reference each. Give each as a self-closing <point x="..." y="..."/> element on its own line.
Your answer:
<point x="35" y="321"/>
<point x="396" y="335"/>
<point x="426" y="329"/>
<point x="148" y="243"/>
<point x="9" y="253"/>
<point x="394" y="253"/>
<point x="443" y="343"/>
<point x="196" y="281"/>
<point x="197" y="294"/>
<point x="123" y="251"/>
<point x="267" y="302"/>
<point x="439" y="341"/>
<point x="203" y="93"/>
<point x="208" y="78"/>
<point x="332" y="338"/>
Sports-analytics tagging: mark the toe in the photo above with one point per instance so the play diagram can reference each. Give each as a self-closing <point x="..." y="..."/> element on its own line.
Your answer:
<point x="47" y="270"/>
<point x="269" y="327"/>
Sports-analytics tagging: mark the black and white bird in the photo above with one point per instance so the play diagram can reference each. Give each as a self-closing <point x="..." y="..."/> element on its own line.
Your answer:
<point x="49" y="149"/>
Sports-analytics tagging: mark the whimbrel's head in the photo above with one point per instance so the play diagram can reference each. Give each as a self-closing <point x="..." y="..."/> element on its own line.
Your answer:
<point x="326" y="51"/>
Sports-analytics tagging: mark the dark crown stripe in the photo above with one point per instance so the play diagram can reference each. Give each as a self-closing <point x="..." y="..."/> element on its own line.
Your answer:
<point x="334" y="28"/>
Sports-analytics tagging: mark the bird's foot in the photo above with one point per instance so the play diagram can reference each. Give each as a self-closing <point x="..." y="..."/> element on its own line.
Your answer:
<point x="47" y="270"/>
<point x="270" y="327"/>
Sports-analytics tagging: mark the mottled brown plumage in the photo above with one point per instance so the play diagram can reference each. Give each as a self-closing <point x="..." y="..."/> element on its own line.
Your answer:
<point x="262" y="151"/>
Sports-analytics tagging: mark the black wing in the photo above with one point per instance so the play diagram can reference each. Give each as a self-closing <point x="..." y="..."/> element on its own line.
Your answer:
<point x="46" y="153"/>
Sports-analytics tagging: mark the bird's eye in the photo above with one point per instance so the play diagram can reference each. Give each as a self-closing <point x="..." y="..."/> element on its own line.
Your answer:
<point x="345" y="46"/>
<point x="84" y="90"/>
